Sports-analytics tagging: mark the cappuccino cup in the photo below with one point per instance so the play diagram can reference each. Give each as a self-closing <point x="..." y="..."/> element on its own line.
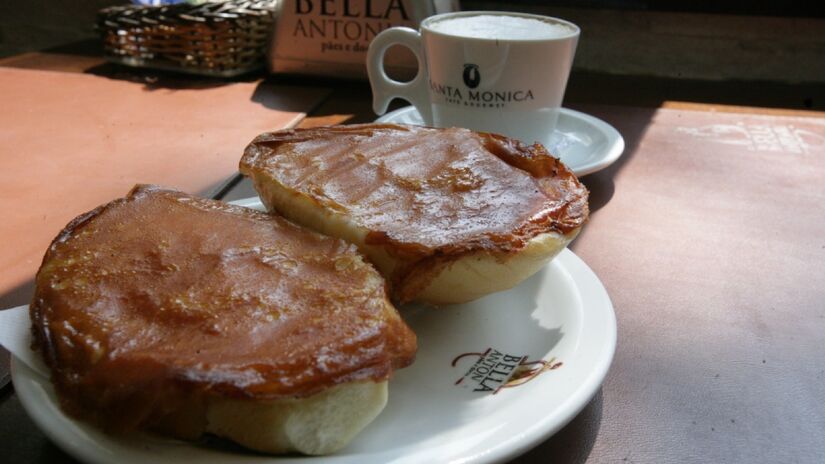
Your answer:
<point x="487" y="71"/>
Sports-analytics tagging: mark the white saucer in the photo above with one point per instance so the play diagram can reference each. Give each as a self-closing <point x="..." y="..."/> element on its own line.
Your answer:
<point x="584" y="143"/>
<point x="561" y="315"/>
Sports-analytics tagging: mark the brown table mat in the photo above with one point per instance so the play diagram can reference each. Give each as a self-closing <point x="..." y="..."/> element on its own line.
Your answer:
<point x="709" y="235"/>
<point x="70" y="141"/>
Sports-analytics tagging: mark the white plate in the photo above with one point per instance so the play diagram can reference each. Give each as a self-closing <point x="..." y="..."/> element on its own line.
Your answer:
<point x="584" y="143"/>
<point x="562" y="315"/>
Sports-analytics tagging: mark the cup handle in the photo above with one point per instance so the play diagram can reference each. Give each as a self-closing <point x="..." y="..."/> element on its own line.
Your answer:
<point x="384" y="89"/>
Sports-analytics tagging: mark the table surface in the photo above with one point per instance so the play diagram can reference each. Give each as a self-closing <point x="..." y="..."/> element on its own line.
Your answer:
<point x="709" y="235"/>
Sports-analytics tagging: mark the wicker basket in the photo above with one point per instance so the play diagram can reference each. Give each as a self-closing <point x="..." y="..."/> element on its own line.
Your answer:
<point x="217" y="39"/>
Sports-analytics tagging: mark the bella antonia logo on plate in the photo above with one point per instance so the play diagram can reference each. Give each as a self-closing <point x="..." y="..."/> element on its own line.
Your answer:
<point x="494" y="370"/>
<point x="473" y="97"/>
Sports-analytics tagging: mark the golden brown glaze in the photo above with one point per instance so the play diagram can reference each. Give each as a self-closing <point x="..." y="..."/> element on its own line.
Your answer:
<point x="160" y="299"/>
<point x="426" y="190"/>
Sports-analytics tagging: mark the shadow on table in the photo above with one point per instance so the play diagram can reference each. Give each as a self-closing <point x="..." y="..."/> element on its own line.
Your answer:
<point x="574" y="442"/>
<point x="600" y="88"/>
<point x="351" y="101"/>
<point x="153" y="79"/>
<point x="91" y="51"/>
<point x="632" y="123"/>
<point x="17" y="296"/>
<point x="281" y="95"/>
<point x="23" y="441"/>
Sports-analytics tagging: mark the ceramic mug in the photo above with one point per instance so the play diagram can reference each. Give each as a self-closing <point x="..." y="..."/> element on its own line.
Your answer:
<point x="488" y="71"/>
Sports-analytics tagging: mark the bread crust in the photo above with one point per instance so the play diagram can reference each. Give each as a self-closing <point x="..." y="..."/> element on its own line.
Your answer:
<point x="319" y="424"/>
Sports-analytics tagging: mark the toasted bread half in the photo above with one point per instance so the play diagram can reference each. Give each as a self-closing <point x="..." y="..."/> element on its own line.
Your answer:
<point x="187" y="316"/>
<point x="446" y="215"/>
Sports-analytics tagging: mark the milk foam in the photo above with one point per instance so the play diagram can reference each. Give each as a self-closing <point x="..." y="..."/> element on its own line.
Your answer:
<point x="501" y="27"/>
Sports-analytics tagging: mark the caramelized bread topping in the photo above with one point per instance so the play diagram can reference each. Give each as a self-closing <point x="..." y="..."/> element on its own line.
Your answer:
<point x="424" y="191"/>
<point x="160" y="298"/>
